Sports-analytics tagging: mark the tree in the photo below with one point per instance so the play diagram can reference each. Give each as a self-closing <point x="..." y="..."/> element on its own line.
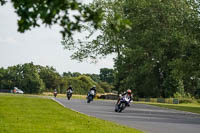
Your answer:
<point x="109" y="41"/>
<point x="107" y="75"/>
<point x="106" y="86"/>
<point x="50" y="77"/>
<point x="67" y="74"/>
<point x="31" y="82"/>
<point x="159" y="52"/>
<point x="94" y="77"/>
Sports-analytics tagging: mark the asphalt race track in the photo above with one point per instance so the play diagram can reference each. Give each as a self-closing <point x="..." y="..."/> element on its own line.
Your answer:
<point x="147" y="118"/>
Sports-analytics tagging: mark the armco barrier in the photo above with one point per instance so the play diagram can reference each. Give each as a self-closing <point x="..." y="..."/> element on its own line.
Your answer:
<point x="160" y="100"/>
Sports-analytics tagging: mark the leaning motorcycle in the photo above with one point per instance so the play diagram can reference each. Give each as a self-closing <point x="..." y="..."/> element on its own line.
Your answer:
<point x="123" y="103"/>
<point x="69" y="94"/>
<point x="90" y="96"/>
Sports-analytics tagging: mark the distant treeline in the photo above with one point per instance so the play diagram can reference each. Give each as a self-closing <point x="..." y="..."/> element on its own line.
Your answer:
<point x="37" y="79"/>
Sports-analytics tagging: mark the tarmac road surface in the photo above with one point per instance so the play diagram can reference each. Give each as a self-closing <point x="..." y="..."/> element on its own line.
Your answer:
<point x="147" y="118"/>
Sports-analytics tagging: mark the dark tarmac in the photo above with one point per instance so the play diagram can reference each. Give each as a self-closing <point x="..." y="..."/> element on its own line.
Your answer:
<point x="144" y="117"/>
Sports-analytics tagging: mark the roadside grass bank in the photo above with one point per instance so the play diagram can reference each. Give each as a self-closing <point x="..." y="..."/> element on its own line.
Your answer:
<point x="193" y="107"/>
<point x="75" y="96"/>
<point x="24" y="114"/>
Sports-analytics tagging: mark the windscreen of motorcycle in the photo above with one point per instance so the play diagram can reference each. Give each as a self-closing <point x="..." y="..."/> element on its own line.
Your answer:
<point x="92" y="92"/>
<point x="69" y="91"/>
<point x="126" y="98"/>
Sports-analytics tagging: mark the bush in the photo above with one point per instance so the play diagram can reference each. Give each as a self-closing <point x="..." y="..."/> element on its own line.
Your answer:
<point x="81" y="84"/>
<point x="184" y="95"/>
<point x="186" y="100"/>
<point x="106" y="86"/>
<point x="198" y="100"/>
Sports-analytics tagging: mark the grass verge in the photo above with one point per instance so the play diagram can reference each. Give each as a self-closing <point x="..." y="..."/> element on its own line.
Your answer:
<point x="23" y="114"/>
<point x="75" y="96"/>
<point x="194" y="108"/>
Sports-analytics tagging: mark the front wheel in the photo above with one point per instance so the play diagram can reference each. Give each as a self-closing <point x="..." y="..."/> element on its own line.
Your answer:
<point x="89" y="99"/>
<point x="122" y="106"/>
<point x="69" y="96"/>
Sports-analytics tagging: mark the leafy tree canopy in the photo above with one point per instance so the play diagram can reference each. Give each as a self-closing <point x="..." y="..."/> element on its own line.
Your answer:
<point x="160" y="50"/>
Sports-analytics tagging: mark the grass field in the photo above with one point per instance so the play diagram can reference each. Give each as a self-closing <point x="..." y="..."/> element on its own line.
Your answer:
<point x="195" y="108"/>
<point x="25" y="114"/>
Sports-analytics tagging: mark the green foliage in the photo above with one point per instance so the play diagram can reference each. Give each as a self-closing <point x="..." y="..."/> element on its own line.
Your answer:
<point x="94" y="77"/>
<point x="106" y="86"/>
<point x="50" y="77"/>
<point x="107" y="75"/>
<point x="114" y="23"/>
<point x="37" y="79"/>
<point x="31" y="82"/>
<point x="184" y="97"/>
<point x="25" y="77"/>
<point x="158" y="52"/>
<point x="81" y="84"/>
<point x="70" y="74"/>
<point x="186" y="100"/>
<point x="90" y="83"/>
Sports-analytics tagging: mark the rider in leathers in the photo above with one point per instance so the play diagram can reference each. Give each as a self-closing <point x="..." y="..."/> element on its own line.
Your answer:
<point x="127" y="93"/>
<point x="70" y="88"/>
<point x="93" y="88"/>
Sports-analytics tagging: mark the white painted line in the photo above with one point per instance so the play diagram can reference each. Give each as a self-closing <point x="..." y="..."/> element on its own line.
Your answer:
<point x="70" y="108"/>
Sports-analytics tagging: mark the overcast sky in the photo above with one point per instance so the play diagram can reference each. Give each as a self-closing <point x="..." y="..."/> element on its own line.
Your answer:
<point x="40" y="45"/>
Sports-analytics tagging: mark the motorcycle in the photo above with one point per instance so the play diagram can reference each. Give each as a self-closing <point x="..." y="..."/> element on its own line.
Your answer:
<point x="55" y="94"/>
<point x="69" y="94"/>
<point x="90" y="96"/>
<point x="123" y="103"/>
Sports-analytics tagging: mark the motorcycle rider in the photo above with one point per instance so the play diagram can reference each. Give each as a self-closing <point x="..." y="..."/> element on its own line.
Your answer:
<point x="69" y="92"/>
<point x="55" y="92"/>
<point x="70" y="88"/>
<point x="93" y="88"/>
<point x="128" y="94"/>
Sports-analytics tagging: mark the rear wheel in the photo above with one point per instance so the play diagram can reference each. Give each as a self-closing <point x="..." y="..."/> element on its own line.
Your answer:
<point x="116" y="108"/>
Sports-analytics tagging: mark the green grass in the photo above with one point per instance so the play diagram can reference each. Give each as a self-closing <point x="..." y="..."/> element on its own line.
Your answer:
<point x="74" y="96"/>
<point x="194" y="108"/>
<point x="25" y="114"/>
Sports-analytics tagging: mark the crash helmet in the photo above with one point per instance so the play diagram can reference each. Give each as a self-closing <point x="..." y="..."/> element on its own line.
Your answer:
<point x="129" y="91"/>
